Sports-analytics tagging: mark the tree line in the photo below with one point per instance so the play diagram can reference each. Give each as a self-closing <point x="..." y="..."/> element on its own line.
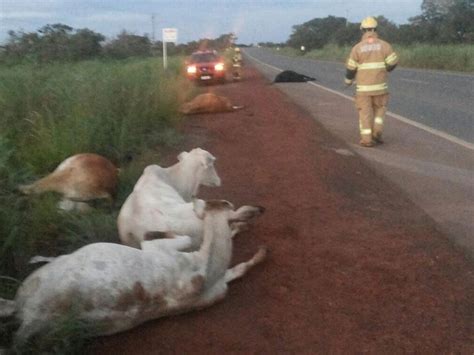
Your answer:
<point x="60" y="42"/>
<point x="441" y="22"/>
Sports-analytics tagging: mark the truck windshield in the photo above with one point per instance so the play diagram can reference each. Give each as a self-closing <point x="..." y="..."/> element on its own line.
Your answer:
<point x="204" y="58"/>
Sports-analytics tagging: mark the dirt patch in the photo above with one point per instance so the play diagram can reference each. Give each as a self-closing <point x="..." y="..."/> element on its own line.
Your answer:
<point x="354" y="265"/>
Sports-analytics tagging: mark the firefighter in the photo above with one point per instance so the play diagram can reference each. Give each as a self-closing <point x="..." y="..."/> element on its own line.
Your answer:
<point x="237" y="64"/>
<point x="368" y="64"/>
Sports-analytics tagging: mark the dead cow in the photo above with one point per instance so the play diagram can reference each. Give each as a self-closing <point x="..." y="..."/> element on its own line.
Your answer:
<point x="115" y="287"/>
<point x="289" y="76"/>
<point x="80" y="178"/>
<point x="208" y="103"/>
<point x="161" y="199"/>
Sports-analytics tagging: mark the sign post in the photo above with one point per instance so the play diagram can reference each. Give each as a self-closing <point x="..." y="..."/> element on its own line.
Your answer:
<point x="169" y="35"/>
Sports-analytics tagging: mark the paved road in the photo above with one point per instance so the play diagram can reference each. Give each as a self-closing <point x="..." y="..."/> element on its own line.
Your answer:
<point x="442" y="100"/>
<point x="428" y="159"/>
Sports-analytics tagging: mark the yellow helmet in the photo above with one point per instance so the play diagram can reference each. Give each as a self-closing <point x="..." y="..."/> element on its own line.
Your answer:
<point x="368" y="22"/>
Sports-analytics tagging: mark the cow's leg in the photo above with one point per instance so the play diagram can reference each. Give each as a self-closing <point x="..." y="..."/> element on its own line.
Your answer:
<point x="237" y="227"/>
<point x="214" y="294"/>
<point x="27" y="330"/>
<point x="69" y="205"/>
<point x="240" y="269"/>
<point x="51" y="182"/>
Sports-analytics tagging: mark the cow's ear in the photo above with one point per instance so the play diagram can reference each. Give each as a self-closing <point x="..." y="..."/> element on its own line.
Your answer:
<point x="182" y="155"/>
<point x="198" y="207"/>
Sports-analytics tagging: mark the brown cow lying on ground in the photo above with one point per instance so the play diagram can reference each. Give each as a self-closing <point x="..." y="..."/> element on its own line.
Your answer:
<point x="80" y="178"/>
<point x="208" y="103"/>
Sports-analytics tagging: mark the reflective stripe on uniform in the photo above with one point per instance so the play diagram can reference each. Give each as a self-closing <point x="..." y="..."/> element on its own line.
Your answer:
<point x="366" y="131"/>
<point x="369" y="88"/>
<point x="351" y="64"/>
<point x="391" y="59"/>
<point x="378" y="120"/>
<point x="377" y="65"/>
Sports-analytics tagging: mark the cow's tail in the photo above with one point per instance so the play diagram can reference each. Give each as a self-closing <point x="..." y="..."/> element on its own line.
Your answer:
<point x="7" y="308"/>
<point x="235" y="108"/>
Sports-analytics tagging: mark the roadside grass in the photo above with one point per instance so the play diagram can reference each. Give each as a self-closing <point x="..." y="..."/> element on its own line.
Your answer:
<point x="69" y="335"/>
<point x="424" y="56"/>
<point x="445" y="57"/>
<point x="126" y="111"/>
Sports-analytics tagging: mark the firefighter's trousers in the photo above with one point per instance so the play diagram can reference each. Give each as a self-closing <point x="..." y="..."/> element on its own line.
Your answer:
<point x="237" y="70"/>
<point x="371" y="116"/>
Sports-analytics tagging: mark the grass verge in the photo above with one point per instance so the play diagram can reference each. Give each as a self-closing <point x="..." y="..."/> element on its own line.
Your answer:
<point x="126" y="111"/>
<point x="424" y="56"/>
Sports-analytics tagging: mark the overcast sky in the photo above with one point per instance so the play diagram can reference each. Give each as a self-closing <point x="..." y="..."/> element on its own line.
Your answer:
<point x="252" y="21"/>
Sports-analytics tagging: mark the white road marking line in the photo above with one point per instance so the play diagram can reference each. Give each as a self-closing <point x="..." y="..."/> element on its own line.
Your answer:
<point x="421" y="126"/>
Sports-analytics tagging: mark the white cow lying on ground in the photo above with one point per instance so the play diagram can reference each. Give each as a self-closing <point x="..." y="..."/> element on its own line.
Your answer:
<point x="161" y="199"/>
<point x="115" y="287"/>
<point x="79" y="178"/>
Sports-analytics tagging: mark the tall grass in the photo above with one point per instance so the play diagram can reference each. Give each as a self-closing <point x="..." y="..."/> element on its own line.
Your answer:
<point x="68" y="335"/>
<point x="443" y="57"/>
<point x="119" y="109"/>
<point x="47" y="113"/>
<point x="425" y="56"/>
<point x="109" y="108"/>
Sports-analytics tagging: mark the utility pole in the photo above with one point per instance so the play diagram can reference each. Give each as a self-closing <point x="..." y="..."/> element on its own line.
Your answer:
<point x="153" y="27"/>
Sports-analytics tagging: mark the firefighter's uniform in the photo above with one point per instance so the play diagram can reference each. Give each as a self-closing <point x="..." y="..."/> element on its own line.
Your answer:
<point x="237" y="63"/>
<point x="368" y="63"/>
<point x="237" y="55"/>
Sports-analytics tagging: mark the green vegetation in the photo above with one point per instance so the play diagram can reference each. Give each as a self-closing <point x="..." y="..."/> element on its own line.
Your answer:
<point x="116" y="109"/>
<point x="444" y="57"/>
<point x="69" y="335"/>
<point x="441" y="22"/>
<point x="62" y="43"/>
<point x="441" y="37"/>
<point x="65" y="91"/>
<point x="123" y="110"/>
<point x="328" y="52"/>
<point x="425" y="56"/>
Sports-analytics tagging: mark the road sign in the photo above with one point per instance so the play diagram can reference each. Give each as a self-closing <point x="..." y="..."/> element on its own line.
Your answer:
<point x="170" y="35"/>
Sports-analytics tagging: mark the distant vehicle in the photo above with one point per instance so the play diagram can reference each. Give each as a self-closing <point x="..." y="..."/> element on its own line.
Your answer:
<point x="206" y="66"/>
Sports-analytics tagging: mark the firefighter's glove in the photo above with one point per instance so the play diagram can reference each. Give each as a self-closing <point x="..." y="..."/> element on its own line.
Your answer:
<point x="347" y="82"/>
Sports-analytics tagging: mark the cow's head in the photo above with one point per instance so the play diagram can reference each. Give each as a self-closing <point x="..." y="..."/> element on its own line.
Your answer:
<point x="205" y="173"/>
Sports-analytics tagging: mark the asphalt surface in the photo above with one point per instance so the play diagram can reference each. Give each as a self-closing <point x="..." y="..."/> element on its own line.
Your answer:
<point x="441" y="100"/>
<point x="428" y="158"/>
